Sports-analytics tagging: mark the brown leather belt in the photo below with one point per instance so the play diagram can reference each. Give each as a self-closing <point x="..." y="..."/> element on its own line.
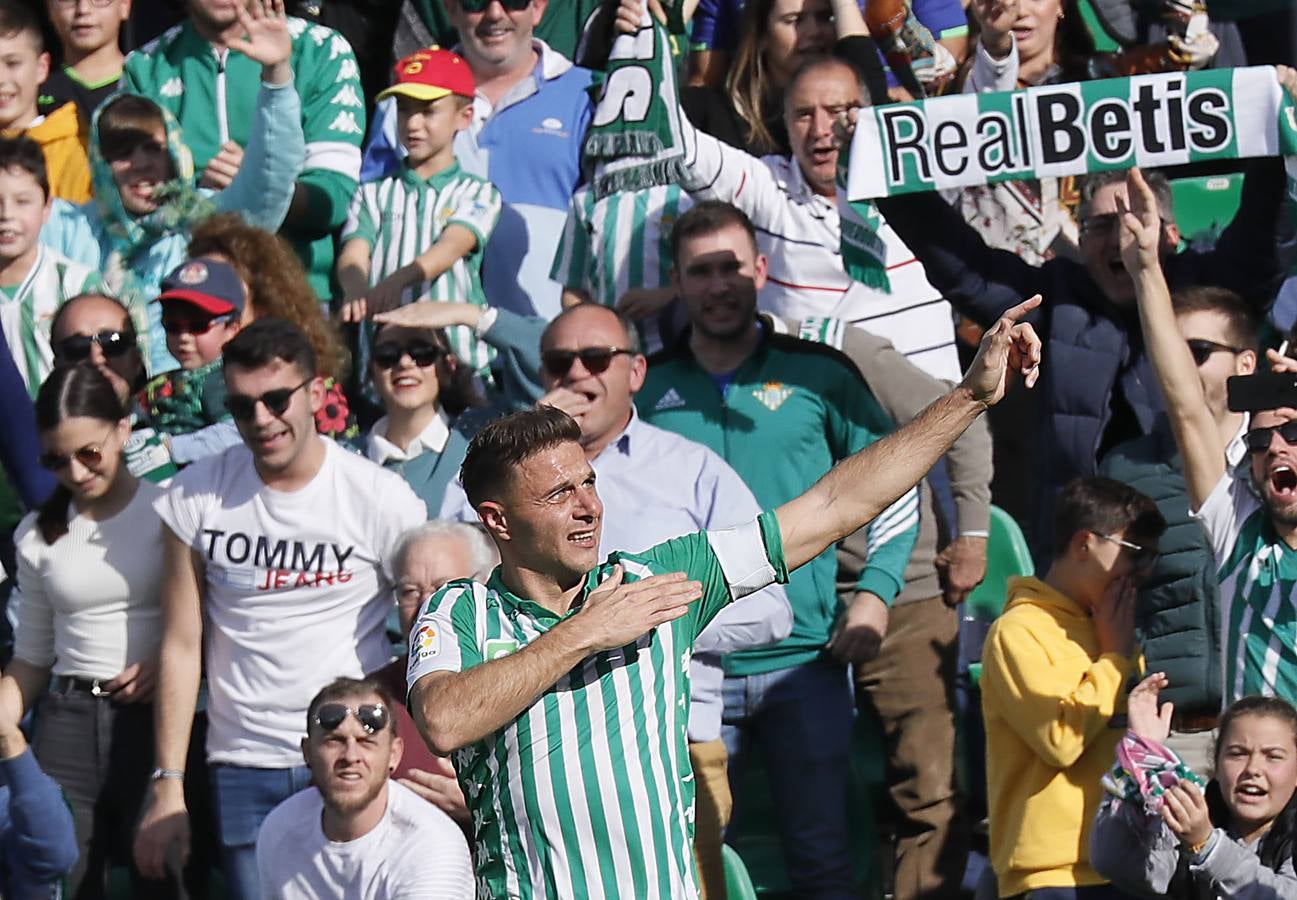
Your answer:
<point x="1194" y="721"/>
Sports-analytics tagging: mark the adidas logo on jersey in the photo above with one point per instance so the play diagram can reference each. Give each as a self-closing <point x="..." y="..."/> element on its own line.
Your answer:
<point x="670" y="400"/>
<point x="172" y="87"/>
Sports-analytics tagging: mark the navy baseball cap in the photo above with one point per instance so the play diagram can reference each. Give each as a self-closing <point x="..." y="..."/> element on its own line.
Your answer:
<point x="210" y="284"/>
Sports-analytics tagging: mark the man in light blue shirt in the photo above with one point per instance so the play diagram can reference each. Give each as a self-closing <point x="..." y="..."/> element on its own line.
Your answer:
<point x="530" y="115"/>
<point x="656" y="485"/>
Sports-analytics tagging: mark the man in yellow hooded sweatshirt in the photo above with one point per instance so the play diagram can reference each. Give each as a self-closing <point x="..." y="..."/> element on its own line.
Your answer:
<point x="24" y="64"/>
<point x="1054" y="673"/>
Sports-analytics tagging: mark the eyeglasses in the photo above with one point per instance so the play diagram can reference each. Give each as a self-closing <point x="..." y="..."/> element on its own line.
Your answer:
<point x="388" y="354"/>
<point x="1202" y="349"/>
<point x="119" y="148"/>
<point x="276" y="401"/>
<point x="196" y="325"/>
<point x="595" y="359"/>
<point x="90" y="456"/>
<point x="75" y="348"/>
<point x="372" y="717"/>
<point x="1259" y="438"/>
<point x="477" y="6"/>
<point x="1141" y="557"/>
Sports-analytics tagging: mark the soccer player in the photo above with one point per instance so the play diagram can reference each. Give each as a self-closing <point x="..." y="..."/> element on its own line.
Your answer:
<point x="559" y="684"/>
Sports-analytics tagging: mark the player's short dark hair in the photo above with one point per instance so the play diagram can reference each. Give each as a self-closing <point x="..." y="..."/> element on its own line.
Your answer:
<point x="506" y="443"/>
<point x="1242" y="320"/>
<point x="22" y="153"/>
<point x="1104" y="506"/>
<point x="267" y="340"/>
<point x="709" y="217"/>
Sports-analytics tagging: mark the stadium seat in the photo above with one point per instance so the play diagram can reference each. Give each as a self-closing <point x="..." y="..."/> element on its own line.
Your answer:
<point x="1006" y="555"/>
<point x="1205" y="205"/>
<point x="738" y="884"/>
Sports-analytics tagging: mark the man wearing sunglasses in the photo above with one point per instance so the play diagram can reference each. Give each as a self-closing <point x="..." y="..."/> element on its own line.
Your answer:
<point x="559" y="684"/>
<point x="1178" y="610"/>
<point x="1249" y="510"/>
<point x="276" y="574"/>
<point x="355" y="832"/>
<point x="530" y="116"/>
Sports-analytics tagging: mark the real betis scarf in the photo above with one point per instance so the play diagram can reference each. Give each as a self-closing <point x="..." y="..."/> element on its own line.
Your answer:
<point x="634" y="139"/>
<point x="864" y="255"/>
<point x="1070" y="129"/>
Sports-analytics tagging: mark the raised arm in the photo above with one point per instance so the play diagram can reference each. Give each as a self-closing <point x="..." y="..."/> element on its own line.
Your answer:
<point x="166" y="819"/>
<point x="263" y="188"/>
<point x="1196" y="434"/>
<point x="860" y="487"/>
<point x="455" y="708"/>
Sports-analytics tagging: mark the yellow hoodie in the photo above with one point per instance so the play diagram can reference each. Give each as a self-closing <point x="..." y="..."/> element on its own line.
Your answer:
<point x="66" y="162"/>
<point x="1048" y="699"/>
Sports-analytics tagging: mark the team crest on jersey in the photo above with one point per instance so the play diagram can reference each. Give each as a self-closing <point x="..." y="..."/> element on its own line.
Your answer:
<point x="496" y="649"/>
<point x="426" y="642"/>
<point x="772" y="395"/>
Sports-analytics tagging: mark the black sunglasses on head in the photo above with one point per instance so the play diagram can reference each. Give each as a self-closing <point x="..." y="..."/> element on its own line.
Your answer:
<point x="75" y="348"/>
<point x="387" y="354"/>
<point x="276" y="401"/>
<point x="1259" y="438"/>
<point x="1202" y="349"/>
<point x="595" y="359"/>
<point x="371" y="716"/>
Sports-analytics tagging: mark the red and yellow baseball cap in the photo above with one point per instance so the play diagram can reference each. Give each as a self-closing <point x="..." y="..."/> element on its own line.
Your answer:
<point x="431" y="74"/>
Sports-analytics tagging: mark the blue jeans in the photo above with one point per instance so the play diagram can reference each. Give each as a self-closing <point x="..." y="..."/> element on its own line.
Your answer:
<point x="243" y="798"/>
<point x="799" y="720"/>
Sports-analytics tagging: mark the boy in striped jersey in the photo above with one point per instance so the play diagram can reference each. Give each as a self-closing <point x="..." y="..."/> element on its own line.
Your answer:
<point x="418" y="233"/>
<point x="1250" y="513"/>
<point x="561" y="685"/>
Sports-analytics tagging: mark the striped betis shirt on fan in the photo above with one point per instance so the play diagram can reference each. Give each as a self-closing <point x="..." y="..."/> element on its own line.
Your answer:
<point x="402" y="215"/>
<point x="1258" y="578"/>
<point x="589" y="792"/>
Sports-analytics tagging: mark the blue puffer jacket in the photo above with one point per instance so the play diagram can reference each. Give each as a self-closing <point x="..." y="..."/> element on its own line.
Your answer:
<point x="1091" y="346"/>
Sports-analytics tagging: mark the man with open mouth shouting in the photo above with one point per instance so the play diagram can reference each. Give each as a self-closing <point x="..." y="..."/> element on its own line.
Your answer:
<point x="1249" y="511"/>
<point x="561" y="685"/>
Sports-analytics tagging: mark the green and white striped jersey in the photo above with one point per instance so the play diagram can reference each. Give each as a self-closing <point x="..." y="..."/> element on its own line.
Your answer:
<point x="589" y="792"/>
<point x="402" y="215"/>
<point x="620" y="242"/>
<point x="1258" y="581"/>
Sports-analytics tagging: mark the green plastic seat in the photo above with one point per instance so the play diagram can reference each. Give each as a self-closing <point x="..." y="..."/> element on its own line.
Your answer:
<point x="738" y="884"/>
<point x="1006" y="556"/>
<point x="1205" y="205"/>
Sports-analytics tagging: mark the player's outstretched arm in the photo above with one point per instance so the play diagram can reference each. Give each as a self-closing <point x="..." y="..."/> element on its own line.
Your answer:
<point x="864" y="484"/>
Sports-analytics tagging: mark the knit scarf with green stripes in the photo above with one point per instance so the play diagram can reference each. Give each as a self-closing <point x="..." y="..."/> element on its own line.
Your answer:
<point x="864" y="255"/>
<point x="634" y="139"/>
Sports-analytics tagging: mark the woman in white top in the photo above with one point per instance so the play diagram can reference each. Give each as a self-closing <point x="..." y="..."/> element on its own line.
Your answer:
<point x="89" y="622"/>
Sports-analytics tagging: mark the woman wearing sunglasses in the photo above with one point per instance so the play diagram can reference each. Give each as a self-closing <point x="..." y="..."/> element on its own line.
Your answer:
<point x="423" y="389"/>
<point x="89" y="621"/>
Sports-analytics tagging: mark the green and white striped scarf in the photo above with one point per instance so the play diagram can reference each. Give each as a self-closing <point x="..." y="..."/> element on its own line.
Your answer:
<point x="634" y="138"/>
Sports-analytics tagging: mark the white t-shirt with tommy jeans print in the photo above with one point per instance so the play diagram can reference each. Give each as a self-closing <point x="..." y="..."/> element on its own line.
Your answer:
<point x="296" y="589"/>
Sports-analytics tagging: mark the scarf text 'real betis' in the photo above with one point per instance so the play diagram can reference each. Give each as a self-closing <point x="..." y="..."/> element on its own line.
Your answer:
<point x="1070" y="129"/>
